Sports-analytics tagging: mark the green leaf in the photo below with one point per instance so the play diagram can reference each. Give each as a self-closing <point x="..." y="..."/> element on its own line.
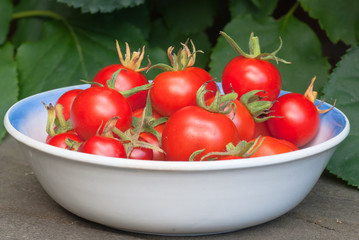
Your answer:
<point x="157" y="55"/>
<point x="8" y="82"/>
<point x="344" y="87"/>
<point x="30" y="29"/>
<point x="340" y="19"/>
<point x="300" y="46"/>
<point x="161" y="38"/>
<point x="257" y="8"/>
<point x="94" y="6"/>
<point x="187" y="17"/>
<point x="5" y="18"/>
<point x="111" y="24"/>
<point x="59" y="60"/>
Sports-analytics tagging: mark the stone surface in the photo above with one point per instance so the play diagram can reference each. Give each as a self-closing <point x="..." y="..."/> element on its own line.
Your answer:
<point x="330" y="211"/>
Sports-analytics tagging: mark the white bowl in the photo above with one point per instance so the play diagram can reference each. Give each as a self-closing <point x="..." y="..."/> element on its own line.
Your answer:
<point x="171" y="198"/>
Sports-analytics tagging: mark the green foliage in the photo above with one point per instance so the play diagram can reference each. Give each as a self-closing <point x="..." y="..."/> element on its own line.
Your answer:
<point x="343" y="86"/>
<point x="5" y="18"/>
<point x="304" y="54"/>
<point x="94" y="6"/>
<point x="48" y="44"/>
<point x="340" y="19"/>
<point x="8" y="82"/>
<point x="257" y="8"/>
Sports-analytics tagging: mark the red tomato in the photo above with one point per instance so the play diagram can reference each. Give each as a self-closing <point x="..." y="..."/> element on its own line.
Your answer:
<point x="271" y="146"/>
<point x="174" y="90"/>
<point x="126" y="80"/>
<point x="66" y="101"/>
<point x="59" y="140"/>
<point x="152" y="139"/>
<point x="104" y="146"/>
<point x="262" y="129"/>
<point x="242" y="119"/>
<point x="138" y="113"/>
<point x="141" y="152"/>
<point x="211" y="86"/>
<point x="93" y="107"/>
<point x="297" y="119"/>
<point x="247" y="74"/>
<point x="192" y="128"/>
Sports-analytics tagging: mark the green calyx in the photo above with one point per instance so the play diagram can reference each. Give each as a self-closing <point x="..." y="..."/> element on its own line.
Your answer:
<point x="180" y="61"/>
<point x="56" y="122"/>
<point x="127" y="93"/>
<point x="258" y="108"/>
<point x="131" y="137"/>
<point x="112" y="82"/>
<point x="147" y="122"/>
<point x="222" y="103"/>
<point x="132" y="62"/>
<point x="243" y="149"/>
<point x="254" y="49"/>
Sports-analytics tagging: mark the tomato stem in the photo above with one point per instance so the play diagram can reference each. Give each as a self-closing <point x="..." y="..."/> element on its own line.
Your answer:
<point x="134" y="90"/>
<point x="256" y="106"/>
<point x="287" y="16"/>
<point x="221" y="104"/>
<point x="254" y="49"/>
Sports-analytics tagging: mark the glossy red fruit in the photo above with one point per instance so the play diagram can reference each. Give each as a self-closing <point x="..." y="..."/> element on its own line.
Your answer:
<point x="193" y="128"/>
<point x="66" y="101"/>
<point x="297" y="119"/>
<point x="104" y="146"/>
<point x="126" y="80"/>
<point x="93" y="107"/>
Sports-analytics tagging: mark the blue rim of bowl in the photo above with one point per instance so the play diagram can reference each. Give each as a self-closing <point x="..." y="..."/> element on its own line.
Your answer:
<point x="172" y="165"/>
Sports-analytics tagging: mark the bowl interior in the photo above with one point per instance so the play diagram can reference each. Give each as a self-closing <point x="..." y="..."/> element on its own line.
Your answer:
<point x="27" y="119"/>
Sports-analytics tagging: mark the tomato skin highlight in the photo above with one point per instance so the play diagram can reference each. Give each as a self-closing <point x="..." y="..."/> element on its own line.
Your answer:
<point x="298" y="119"/>
<point x="247" y="74"/>
<point x="126" y="80"/>
<point x="174" y="90"/>
<point x="93" y="107"/>
<point x="193" y="128"/>
<point x="103" y="146"/>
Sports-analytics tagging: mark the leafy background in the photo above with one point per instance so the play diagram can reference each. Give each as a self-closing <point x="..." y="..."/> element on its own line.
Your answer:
<point x="45" y="44"/>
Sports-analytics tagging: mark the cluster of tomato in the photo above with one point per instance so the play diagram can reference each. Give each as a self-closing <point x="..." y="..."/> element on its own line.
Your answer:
<point x="182" y="115"/>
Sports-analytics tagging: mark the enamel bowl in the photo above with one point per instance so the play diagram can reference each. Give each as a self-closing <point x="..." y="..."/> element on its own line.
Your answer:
<point x="171" y="198"/>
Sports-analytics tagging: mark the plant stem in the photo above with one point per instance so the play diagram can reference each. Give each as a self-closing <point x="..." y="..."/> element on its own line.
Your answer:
<point x="37" y="13"/>
<point x="50" y="14"/>
<point x="287" y="16"/>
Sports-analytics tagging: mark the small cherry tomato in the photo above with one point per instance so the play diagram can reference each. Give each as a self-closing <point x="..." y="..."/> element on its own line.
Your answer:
<point x="193" y="128"/>
<point x="93" y="107"/>
<point x="243" y="120"/>
<point x="59" y="140"/>
<point x="66" y="101"/>
<point x="271" y="146"/>
<point x="126" y="80"/>
<point x="104" y="146"/>
<point x="296" y="119"/>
